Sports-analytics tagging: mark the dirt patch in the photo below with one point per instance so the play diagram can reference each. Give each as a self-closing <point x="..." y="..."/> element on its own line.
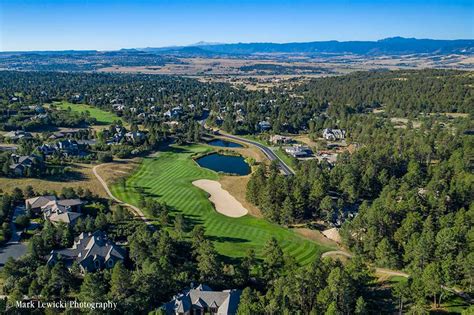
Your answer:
<point x="333" y="234"/>
<point x="316" y="236"/>
<point x="223" y="201"/>
<point x="83" y="177"/>
<point x="111" y="172"/>
<point x="237" y="187"/>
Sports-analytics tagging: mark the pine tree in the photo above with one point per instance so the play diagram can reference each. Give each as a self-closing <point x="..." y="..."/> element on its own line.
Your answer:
<point x="119" y="282"/>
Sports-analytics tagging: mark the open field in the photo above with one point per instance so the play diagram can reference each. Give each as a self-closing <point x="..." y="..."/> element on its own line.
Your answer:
<point x="168" y="177"/>
<point x="103" y="117"/>
<point x="81" y="176"/>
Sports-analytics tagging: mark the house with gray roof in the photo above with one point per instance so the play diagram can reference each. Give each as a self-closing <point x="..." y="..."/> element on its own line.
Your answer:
<point x="334" y="134"/>
<point x="91" y="251"/>
<point x="62" y="211"/>
<point x="203" y="300"/>
<point x="20" y="163"/>
<point x="17" y="135"/>
<point x="264" y="125"/>
<point x="35" y="204"/>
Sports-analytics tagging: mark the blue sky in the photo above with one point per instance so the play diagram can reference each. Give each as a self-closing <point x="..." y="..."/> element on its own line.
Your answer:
<point x="107" y="24"/>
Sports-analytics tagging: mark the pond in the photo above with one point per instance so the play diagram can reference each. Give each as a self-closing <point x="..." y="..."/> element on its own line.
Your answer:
<point x="225" y="163"/>
<point x="224" y="143"/>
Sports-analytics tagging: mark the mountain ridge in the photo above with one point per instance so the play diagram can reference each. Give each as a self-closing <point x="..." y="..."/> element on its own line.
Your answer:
<point x="391" y="46"/>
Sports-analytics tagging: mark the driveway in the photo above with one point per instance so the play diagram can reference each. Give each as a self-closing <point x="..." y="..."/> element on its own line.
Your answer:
<point x="14" y="248"/>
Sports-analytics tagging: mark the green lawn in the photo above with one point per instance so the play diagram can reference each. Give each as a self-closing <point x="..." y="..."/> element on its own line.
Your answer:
<point x="103" y="117"/>
<point x="285" y="158"/>
<point x="254" y="138"/>
<point x="168" y="176"/>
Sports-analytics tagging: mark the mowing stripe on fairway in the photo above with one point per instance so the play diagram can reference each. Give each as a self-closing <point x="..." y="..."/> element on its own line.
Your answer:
<point x="168" y="177"/>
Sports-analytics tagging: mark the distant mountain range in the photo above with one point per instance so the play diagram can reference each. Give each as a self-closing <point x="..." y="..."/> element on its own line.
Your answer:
<point x="388" y="46"/>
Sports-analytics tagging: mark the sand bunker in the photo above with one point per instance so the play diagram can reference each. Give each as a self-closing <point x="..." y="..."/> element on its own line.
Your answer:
<point x="223" y="201"/>
<point x="333" y="234"/>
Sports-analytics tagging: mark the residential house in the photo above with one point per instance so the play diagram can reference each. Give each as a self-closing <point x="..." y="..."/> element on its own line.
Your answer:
<point x="174" y="112"/>
<point x="277" y="139"/>
<point x="91" y="251"/>
<point x="39" y="117"/>
<point x="203" y="300"/>
<point x="328" y="156"/>
<point x="35" y="204"/>
<point x="334" y="134"/>
<point x="134" y="136"/>
<point x="17" y="135"/>
<point x="118" y="107"/>
<point x="68" y="147"/>
<point x="118" y="135"/>
<point x="65" y="211"/>
<point x="38" y="109"/>
<point x="47" y="149"/>
<point x="56" y="135"/>
<point x="20" y="163"/>
<point x="264" y="125"/>
<point x="50" y="203"/>
<point x="298" y="151"/>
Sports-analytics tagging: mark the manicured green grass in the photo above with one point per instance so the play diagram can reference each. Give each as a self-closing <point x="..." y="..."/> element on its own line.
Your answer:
<point x="285" y="158"/>
<point x="254" y="138"/>
<point x="397" y="279"/>
<point x="103" y="117"/>
<point x="168" y="177"/>
<point x="455" y="304"/>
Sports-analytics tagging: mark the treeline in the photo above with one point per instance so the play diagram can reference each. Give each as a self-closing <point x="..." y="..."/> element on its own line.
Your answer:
<point x="410" y="190"/>
<point x="402" y="93"/>
<point x="324" y="287"/>
<point x="306" y="107"/>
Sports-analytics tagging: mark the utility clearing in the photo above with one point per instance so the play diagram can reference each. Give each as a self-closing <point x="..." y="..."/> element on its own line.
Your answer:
<point x="223" y="201"/>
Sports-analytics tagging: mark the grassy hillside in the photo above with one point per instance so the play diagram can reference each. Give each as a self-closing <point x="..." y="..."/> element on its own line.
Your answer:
<point x="168" y="177"/>
<point x="103" y="117"/>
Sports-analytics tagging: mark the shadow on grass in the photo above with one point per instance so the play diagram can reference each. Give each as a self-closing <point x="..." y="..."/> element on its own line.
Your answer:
<point x="145" y="191"/>
<point x="70" y="176"/>
<point x="222" y="239"/>
<point x="381" y="299"/>
<point x="174" y="149"/>
<point x="191" y="220"/>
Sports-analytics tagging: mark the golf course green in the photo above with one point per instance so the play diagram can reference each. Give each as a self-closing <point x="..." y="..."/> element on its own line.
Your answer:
<point x="168" y="176"/>
<point x="103" y="117"/>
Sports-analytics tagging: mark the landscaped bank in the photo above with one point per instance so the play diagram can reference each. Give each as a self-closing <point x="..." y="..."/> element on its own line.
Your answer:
<point x="169" y="175"/>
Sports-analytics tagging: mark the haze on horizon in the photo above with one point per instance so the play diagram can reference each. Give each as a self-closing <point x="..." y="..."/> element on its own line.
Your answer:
<point x="110" y="25"/>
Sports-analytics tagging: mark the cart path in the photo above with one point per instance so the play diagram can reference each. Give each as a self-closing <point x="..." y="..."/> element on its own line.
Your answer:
<point x="136" y="211"/>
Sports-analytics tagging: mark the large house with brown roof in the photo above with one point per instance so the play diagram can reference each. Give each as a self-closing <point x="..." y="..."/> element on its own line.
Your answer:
<point x="56" y="211"/>
<point x="36" y="203"/>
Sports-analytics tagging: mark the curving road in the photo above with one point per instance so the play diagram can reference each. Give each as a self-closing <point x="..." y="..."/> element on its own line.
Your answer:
<point x="138" y="213"/>
<point x="14" y="248"/>
<point x="266" y="150"/>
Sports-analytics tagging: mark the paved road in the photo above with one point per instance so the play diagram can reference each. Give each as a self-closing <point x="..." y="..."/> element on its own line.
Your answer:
<point x="138" y="213"/>
<point x="14" y="248"/>
<point x="266" y="150"/>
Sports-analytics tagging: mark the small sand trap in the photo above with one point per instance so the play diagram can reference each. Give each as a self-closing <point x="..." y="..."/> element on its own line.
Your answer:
<point x="333" y="234"/>
<point x="223" y="201"/>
